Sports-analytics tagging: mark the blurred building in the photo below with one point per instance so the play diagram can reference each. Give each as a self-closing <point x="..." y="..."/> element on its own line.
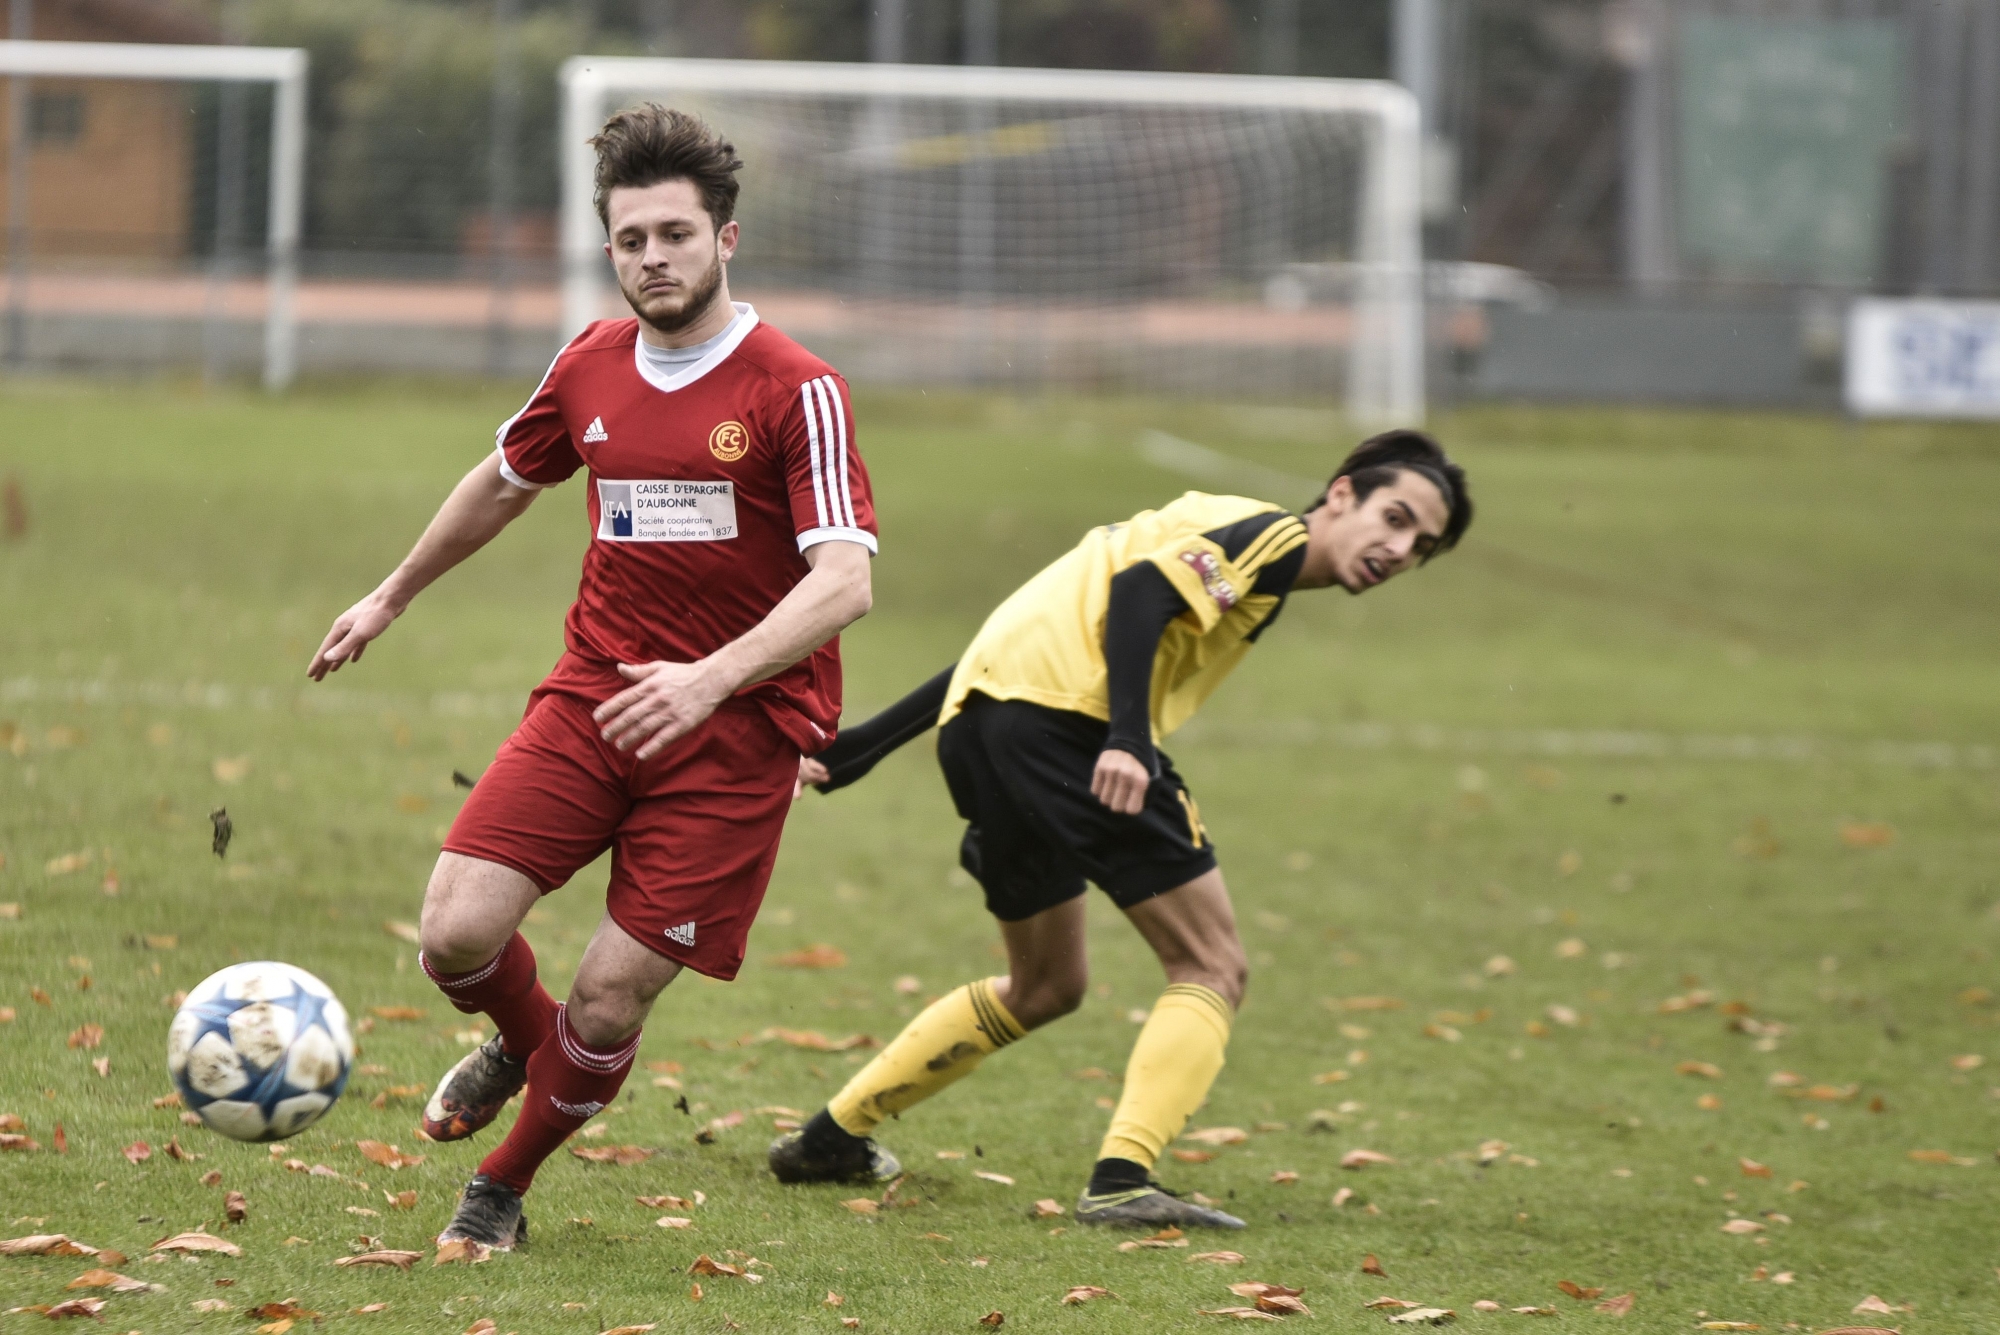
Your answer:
<point x="110" y="162"/>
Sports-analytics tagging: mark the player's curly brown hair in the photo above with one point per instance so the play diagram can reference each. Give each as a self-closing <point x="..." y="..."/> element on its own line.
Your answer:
<point x="648" y="144"/>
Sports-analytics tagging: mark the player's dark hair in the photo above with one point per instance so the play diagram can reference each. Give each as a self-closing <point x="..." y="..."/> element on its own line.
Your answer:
<point x="1376" y="461"/>
<point x="648" y="144"/>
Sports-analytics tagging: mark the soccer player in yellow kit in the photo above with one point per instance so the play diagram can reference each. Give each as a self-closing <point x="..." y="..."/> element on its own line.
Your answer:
<point x="1047" y="729"/>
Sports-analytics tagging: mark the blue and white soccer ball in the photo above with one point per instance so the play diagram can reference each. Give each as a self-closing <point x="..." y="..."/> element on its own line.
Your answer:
<point x="260" y="1051"/>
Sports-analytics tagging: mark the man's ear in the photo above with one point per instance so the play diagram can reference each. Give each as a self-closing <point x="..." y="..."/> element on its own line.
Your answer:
<point x="725" y="240"/>
<point x="1340" y="495"/>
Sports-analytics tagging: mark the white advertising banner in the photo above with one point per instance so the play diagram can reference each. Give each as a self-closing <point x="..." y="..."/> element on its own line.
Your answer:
<point x="1923" y="358"/>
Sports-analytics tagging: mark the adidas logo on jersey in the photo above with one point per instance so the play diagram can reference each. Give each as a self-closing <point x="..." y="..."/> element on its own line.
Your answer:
<point x="595" y="434"/>
<point x="684" y="934"/>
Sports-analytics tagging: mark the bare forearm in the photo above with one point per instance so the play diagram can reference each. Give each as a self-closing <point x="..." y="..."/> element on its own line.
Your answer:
<point x="834" y="594"/>
<point x="480" y="506"/>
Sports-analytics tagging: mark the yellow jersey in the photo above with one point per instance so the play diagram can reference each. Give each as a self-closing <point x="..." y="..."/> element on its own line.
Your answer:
<point x="1045" y="644"/>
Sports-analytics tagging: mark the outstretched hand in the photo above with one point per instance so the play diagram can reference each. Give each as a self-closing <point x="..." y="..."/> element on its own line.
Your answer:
<point x="1120" y="782"/>
<point x="352" y="632"/>
<point x="666" y="702"/>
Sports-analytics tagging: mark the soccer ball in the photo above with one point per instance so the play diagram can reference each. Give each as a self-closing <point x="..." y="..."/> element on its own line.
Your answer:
<point x="260" y="1051"/>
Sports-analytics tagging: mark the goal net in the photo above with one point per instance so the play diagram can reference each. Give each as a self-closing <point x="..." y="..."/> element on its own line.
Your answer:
<point x="1055" y="228"/>
<point x="150" y="202"/>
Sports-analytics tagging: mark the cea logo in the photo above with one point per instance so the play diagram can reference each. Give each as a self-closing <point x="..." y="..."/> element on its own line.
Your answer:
<point x="615" y="501"/>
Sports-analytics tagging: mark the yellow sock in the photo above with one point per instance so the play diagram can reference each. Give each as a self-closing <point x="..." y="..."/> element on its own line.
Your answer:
<point x="953" y="1035"/>
<point x="1177" y="1057"/>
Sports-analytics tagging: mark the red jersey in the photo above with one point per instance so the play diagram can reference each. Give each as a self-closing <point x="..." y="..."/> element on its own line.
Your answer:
<point x="706" y="488"/>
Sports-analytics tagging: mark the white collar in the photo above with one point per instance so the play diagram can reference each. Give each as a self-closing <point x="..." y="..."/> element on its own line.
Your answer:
<point x="747" y="320"/>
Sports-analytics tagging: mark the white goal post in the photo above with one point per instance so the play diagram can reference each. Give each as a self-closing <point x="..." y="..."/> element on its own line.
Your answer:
<point x="954" y="164"/>
<point x="282" y="67"/>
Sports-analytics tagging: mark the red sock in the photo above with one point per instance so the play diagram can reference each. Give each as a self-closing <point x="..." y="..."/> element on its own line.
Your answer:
<point x="569" y="1082"/>
<point x="505" y="988"/>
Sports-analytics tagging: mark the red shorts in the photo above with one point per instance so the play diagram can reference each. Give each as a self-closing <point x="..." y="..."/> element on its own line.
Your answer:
<point x="693" y="832"/>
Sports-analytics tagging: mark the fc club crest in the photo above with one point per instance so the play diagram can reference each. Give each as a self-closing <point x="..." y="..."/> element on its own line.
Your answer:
<point x="729" y="442"/>
<point x="1205" y="564"/>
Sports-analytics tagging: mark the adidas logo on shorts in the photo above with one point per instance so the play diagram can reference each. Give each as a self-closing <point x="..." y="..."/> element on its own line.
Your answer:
<point x="595" y="432"/>
<point x="684" y="934"/>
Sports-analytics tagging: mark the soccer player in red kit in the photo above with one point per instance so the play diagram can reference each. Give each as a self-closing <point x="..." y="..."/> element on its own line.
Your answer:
<point x="732" y="530"/>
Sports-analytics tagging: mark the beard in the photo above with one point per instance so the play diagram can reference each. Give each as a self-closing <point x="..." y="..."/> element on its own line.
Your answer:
<point x="670" y="314"/>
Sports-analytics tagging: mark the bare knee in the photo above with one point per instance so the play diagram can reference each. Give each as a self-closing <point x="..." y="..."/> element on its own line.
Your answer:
<point x="603" y="1012"/>
<point x="471" y="909"/>
<point x="1036" y="999"/>
<point x="1222" y="970"/>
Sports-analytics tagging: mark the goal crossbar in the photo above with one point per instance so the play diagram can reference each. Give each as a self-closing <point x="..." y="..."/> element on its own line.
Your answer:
<point x="1386" y="361"/>
<point x="282" y="67"/>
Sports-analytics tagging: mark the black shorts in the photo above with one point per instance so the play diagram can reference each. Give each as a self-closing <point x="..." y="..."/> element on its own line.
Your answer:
<point x="1020" y="775"/>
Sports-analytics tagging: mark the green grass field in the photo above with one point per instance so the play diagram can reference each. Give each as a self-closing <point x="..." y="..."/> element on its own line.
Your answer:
<point x="1626" y="737"/>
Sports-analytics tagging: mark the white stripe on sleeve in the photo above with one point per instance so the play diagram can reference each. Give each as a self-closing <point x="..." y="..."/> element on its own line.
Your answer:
<point x="826" y="435"/>
<point x="500" y="436"/>
<point x="812" y="441"/>
<point x="839" y="414"/>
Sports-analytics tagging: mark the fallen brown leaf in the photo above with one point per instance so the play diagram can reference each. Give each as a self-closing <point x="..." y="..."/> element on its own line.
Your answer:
<point x="623" y="1155"/>
<point x="1357" y="1159"/>
<point x="705" y="1265"/>
<point x="388" y="1156"/>
<point x="818" y="956"/>
<point x="108" y="1279"/>
<point x="86" y="1036"/>
<point x="1371" y="1266"/>
<point x="1742" y="1226"/>
<point x="174" y="1151"/>
<point x="1618" y="1306"/>
<point x="1239" y="1313"/>
<point x="288" y="1310"/>
<point x="197" y="1241"/>
<point x="673" y="1221"/>
<point x="832" y="1299"/>
<point x="13" y="1141"/>
<point x="1872" y="1305"/>
<point x="1706" y="1070"/>
<point x="400" y="1260"/>
<point x="631" y="1330"/>
<point x="484" y="1326"/>
<point x="462" y="1251"/>
<point x="864" y="1205"/>
<point x="1577" y="1291"/>
<point x="1083" y="1293"/>
<point x="211" y="1305"/>
<point x="1535" y="1311"/>
<point x="851" y="1322"/>
<point x="235" y="1206"/>
<point x="1751" y="1168"/>
<point x="993" y="1319"/>
<point x="1047" y="1208"/>
<point x="812" y="1040"/>
<point x="1001" y="1178"/>
<point x="45" y="1244"/>
<point x="401" y="1200"/>
<point x="367" y="1309"/>
<point x="1867" y="834"/>
<point x="1384" y="1303"/>
<point x="1284" y="1177"/>
<point x="1166" y="1237"/>
<point x="1194" y="1156"/>
<point x="1219" y="1135"/>
<point x="1220" y="1258"/>
<point x="89" y="1307"/>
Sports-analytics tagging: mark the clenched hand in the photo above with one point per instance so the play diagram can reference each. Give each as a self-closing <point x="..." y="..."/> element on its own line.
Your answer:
<point x="1120" y="782"/>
